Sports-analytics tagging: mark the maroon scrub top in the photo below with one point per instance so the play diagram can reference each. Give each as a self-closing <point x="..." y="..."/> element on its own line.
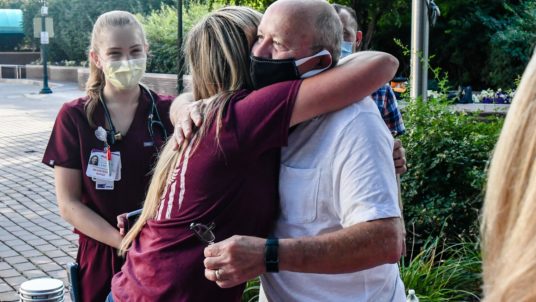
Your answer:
<point x="70" y="145"/>
<point x="233" y="183"/>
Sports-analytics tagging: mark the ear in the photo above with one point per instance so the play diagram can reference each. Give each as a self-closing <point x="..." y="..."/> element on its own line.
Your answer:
<point x="358" y="39"/>
<point x="95" y="59"/>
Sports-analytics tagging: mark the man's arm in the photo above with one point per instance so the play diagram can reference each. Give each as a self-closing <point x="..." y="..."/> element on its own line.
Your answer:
<point x="185" y="113"/>
<point x="399" y="157"/>
<point x="358" y="247"/>
<point x="386" y="101"/>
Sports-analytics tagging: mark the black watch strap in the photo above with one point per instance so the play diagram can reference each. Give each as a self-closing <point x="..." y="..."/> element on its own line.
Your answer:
<point x="271" y="255"/>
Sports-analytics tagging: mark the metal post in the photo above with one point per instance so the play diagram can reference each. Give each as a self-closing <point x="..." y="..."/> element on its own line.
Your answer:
<point x="419" y="50"/>
<point x="180" y="58"/>
<point x="425" y="43"/>
<point x="44" y="42"/>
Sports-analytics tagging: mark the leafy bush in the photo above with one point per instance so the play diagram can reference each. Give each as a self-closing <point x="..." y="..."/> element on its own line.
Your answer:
<point x="161" y="30"/>
<point x="444" y="272"/>
<point x="512" y="42"/>
<point x="73" y="21"/>
<point x="195" y="11"/>
<point x="251" y="292"/>
<point x="447" y="154"/>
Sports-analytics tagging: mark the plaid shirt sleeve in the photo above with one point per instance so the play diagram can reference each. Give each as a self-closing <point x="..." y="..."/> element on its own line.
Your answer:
<point x="385" y="99"/>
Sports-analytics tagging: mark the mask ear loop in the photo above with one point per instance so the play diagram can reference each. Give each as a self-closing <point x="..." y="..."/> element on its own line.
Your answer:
<point x="313" y="72"/>
<point x="323" y="52"/>
<point x="114" y="135"/>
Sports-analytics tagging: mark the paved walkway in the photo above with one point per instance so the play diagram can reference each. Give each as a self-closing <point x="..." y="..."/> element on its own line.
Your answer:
<point x="34" y="239"/>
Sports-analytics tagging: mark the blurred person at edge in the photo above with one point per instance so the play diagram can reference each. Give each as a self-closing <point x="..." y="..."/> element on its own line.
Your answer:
<point x="508" y="220"/>
<point x="384" y="97"/>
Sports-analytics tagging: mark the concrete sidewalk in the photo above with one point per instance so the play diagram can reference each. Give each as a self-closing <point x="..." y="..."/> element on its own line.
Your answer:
<point x="34" y="239"/>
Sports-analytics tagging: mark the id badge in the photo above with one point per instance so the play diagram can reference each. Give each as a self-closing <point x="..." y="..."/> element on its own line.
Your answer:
<point x="99" y="167"/>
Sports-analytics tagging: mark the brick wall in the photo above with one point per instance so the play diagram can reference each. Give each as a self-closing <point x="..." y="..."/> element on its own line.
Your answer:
<point x="159" y="82"/>
<point x="55" y="73"/>
<point x="18" y="58"/>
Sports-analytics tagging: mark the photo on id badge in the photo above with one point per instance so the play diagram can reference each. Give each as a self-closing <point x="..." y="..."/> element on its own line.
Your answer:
<point x="103" y="171"/>
<point x="94" y="160"/>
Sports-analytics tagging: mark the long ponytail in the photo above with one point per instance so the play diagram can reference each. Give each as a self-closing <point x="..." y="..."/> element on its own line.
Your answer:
<point x="217" y="51"/>
<point x="94" y="85"/>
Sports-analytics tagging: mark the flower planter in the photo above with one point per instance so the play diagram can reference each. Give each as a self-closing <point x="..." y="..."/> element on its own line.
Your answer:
<point x="495" y="97"/>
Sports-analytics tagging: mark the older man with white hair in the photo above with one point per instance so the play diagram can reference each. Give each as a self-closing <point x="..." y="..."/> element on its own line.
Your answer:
<point x="339" y="235"/>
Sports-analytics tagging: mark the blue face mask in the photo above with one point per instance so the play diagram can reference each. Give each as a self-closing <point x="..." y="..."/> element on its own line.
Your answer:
<point x="346" y="48"/>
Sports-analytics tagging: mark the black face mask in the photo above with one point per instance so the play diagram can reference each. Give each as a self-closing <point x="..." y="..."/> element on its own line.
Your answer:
<point x="266" y="72"/>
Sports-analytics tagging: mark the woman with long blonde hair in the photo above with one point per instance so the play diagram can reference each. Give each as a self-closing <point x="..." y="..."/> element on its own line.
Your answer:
<point x="509" y="224"/>
<point x="102" y="148"/>
<point x="226" y="177"/>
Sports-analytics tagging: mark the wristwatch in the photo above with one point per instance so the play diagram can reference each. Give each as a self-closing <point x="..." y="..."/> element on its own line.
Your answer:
<point x="271" y="255"/>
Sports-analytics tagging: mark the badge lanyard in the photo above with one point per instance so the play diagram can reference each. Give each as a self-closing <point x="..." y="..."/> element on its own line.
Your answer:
<point x="153" y="119"/>
<point x="106" y="168"/>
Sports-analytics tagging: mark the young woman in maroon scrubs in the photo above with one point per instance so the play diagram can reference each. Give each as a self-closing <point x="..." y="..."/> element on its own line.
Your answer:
<point x="228" y="173"/>
<point x="137" y="124"/>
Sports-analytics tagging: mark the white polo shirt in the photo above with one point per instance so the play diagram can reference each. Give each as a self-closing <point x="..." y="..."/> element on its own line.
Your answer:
<point x="337" y="171"/>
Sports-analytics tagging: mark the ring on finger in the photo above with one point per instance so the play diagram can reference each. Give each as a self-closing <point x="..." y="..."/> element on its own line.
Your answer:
<point x="218" y="274"/>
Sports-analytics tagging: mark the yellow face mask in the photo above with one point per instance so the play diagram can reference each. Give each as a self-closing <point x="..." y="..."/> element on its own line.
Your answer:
<point x="125" y="74"/>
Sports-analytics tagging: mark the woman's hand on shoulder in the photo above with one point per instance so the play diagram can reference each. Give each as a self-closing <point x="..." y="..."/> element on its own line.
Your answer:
<point x="185" y="113"/>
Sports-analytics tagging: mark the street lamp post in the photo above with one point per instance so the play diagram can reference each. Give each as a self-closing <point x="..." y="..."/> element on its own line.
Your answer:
<point x="424" y="14"/>
<point x="44" y="43"/>
<point x="180" y="58"/>
<point x="419" y="50"/>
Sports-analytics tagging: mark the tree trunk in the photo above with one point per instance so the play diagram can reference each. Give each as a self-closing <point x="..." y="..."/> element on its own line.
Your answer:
<point x="370" y="31"/>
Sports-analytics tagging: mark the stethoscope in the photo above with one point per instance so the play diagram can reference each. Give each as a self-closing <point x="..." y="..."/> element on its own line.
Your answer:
<point x="153" y="119"/>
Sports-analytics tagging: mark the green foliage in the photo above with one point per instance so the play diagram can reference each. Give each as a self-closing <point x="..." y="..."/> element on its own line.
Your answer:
<point x="260" y="5"/>
<point x="375" y="14"/>
<point x="251" y="293"/>
<point x="195" y="11"/>
<point x="478" y="42"/>
<point x="484" y="43"/>
<point x="161" y="30"/>
<point x="441" y="79"/>
<point x="511" y="45"/>
<point x="441" y="272"/>
<point x="73" y="21"/>
<point x="447" y="154"/>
